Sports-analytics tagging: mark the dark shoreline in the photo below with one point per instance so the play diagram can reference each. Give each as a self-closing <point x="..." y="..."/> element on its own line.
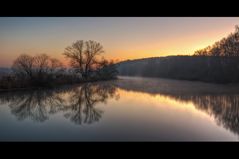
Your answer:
<point x="52" y="87"/>
<point x="210" y="69"/>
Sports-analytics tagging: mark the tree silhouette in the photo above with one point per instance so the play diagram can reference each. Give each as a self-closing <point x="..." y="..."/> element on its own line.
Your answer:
<point x="37" y="70"/>
<point x="228" y="46"/>
<point x="23" y="66"/>
<point x="83" y="56"/>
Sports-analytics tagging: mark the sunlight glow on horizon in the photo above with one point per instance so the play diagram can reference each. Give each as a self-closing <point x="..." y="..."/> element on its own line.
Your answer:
<point x="122" y="38"/>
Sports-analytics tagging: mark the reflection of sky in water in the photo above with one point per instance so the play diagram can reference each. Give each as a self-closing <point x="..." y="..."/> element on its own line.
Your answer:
<point x="122" y="110"/>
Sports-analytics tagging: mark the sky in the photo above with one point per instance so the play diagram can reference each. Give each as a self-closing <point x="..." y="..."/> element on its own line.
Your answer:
<point x="122" y="37"/>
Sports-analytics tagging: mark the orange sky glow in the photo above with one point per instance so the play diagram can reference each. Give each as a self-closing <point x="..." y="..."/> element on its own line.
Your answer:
<point x="122" y="38"/>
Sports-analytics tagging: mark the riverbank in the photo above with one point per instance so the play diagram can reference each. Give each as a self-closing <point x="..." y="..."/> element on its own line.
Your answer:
<point x="52" y="87"/>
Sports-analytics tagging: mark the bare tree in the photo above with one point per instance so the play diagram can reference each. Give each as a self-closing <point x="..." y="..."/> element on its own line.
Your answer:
<point x="75" y="54"/>
<point x="92" y="50"/>
<point x="83" y="56"/>
<point x="41" y="65"/>
<point x="23" y="66"/>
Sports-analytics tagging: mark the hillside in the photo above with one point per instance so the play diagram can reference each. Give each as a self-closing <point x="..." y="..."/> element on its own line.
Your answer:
<point x="201" y="68"/>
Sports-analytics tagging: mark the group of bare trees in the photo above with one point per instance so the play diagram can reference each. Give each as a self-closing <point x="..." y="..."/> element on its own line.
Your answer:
<point x="37" y="69"/>
<point x="42" y="70"/>
<point x="228" y="46"/>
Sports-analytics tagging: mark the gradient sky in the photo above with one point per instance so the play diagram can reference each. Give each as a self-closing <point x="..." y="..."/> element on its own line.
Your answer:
<point x="122" y="37"/>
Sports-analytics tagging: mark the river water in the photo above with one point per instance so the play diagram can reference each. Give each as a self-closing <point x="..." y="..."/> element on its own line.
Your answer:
<point x="127" y="109"/>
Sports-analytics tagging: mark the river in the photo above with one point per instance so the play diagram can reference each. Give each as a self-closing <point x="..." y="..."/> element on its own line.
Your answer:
<point x="127" y="109"/>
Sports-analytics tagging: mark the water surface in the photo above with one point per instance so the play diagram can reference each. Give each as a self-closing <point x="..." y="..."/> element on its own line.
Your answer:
<point x="128" y="109"/>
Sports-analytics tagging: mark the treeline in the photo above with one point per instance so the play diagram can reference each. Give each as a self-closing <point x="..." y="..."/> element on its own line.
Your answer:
<point x="228" y="46"/>
<point x="45" y="71"/>
<point x="200" y="68"/>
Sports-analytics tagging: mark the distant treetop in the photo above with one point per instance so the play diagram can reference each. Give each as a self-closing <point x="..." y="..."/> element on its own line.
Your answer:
<point x="228" y="46"/>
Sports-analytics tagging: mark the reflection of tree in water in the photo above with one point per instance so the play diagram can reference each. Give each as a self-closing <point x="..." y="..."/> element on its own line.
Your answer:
<point x="34" y="104"/>
<point x="78" y="102"/>
<point x="84" y="99"/>
<point x="220" y="101"/>
<point x="224" y="108"/>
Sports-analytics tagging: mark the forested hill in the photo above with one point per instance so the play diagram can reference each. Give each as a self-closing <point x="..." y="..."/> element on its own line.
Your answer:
<point x="214" y="69"/>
